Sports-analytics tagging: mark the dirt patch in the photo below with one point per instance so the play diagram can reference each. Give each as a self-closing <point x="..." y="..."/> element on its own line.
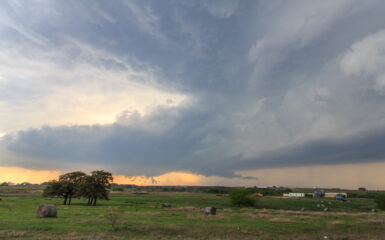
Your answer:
<point x="148" y="213"/>
<point x="280" y="220"/>
<point x="336" y="222"/>
<point x="12" y="234"/>
<point x="95" y="222"/>
<point x="186" y="209"/>
<point x="227" y="210"/>
<point x="376" y="221"/>
<point x="208" y="217"/>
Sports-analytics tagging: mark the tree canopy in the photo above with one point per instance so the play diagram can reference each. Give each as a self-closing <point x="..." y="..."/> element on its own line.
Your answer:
<point x="241" y="197"/>
<point x="95" y="186"/>
<point x="79" y="184"/>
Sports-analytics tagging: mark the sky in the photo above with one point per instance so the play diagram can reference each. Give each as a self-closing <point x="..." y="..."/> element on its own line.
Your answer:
<point x="219" y="92"/>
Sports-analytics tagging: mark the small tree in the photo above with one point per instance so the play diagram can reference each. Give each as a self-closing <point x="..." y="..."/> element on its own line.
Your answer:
<point x="380" y="200"/>
<point x="241" y="197"/>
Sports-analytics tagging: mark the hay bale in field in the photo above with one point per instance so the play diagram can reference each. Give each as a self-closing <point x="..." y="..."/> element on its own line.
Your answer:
<point x="46" y="210"/>
<point x="326" y="209"/>
<point x="374" y="210"/>
<point x="166" y="205"/>
<point x="302" y="209"/>
<point x="210" y="210"/>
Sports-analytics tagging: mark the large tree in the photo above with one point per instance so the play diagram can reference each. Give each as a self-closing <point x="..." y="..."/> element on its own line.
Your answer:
<point x="71" y="183"/>
<point x="96" y="186"/>
<point x="68" y="186"/>
<point x="79" y="184"/>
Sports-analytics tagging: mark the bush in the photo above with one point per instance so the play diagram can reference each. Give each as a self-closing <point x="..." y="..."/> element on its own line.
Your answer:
<point x="366" y="194"/>
<point x="117" y="189"/>
<point x="380" y="200"/>
<point x="215" y="190"/>
<point x="165" y="189"/>
<point x="241" y="197"/>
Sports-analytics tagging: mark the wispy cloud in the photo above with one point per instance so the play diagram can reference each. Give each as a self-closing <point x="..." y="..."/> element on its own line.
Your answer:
<point x="147" y="20"/>
<point x="220" y="8"/>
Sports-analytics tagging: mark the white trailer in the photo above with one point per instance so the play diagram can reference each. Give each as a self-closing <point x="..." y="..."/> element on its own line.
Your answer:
<point x="294" y="195"/>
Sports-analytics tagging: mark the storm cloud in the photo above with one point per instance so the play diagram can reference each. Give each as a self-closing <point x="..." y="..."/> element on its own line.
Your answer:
<point x="208" y="87"/>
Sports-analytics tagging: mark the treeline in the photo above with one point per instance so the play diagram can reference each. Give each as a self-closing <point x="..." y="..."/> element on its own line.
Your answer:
<point x="364" y="194"/>
<point x="264" y="191"/>
<point x="79" y="184"/>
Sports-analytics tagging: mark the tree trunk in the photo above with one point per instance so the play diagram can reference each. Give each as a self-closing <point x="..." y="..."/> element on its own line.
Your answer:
<point x="69" y="202"/>
<point x="89" y="201"/>
<point x="95" y="201"/>
<point x="65" y="200"/>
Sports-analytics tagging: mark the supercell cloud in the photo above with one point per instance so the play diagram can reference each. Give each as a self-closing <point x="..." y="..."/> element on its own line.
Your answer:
<point x="208" y="87"/>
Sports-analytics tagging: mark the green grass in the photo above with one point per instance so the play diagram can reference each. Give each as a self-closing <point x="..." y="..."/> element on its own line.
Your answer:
<point x="142" y="217"/>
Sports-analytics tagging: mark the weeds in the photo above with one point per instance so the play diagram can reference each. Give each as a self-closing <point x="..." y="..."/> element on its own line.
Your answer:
<point x="112" y="217"/>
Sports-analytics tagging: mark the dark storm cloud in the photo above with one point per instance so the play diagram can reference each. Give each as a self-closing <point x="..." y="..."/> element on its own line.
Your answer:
<point x="270" y="84"/>
<point x="125" y="148"/>
<point x="363" y="147"/>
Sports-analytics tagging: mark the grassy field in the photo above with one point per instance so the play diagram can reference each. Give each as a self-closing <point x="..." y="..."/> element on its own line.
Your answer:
<point x="142" y="217"/>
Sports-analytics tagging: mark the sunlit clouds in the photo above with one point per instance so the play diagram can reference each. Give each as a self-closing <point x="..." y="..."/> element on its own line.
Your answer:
<point x="76" y="92"/>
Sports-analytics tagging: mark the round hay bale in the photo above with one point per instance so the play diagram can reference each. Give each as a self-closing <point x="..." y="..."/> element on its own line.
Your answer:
<point x="210" y="210"/>
<point x="374" y="210"/>
<point x="303" y="209"/>
<point x="46" y="210"/>
<point x="165" y="205"/>
<point x="326" y="209"/>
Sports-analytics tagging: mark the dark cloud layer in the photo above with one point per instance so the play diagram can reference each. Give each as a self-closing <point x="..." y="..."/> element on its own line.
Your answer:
<point x="358" y="148"/>
<point x="268" y="84"/>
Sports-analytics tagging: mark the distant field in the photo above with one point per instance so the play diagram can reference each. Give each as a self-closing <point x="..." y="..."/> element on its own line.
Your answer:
<point x="142" y="217"/>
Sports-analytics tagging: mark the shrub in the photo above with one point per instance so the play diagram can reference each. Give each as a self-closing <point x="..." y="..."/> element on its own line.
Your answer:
<point x="215" y="190"/>
<point x="241" y="197"/>
<point x="366" y="194"/>
<point x="380" y="200"/>
<point x="113" y="219"/>
<point x="117" y="189"/>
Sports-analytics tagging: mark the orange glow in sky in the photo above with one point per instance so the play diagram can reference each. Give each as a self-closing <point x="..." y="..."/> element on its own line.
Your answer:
<point x="19" y="175"/>
<point x="351" y="176"/>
